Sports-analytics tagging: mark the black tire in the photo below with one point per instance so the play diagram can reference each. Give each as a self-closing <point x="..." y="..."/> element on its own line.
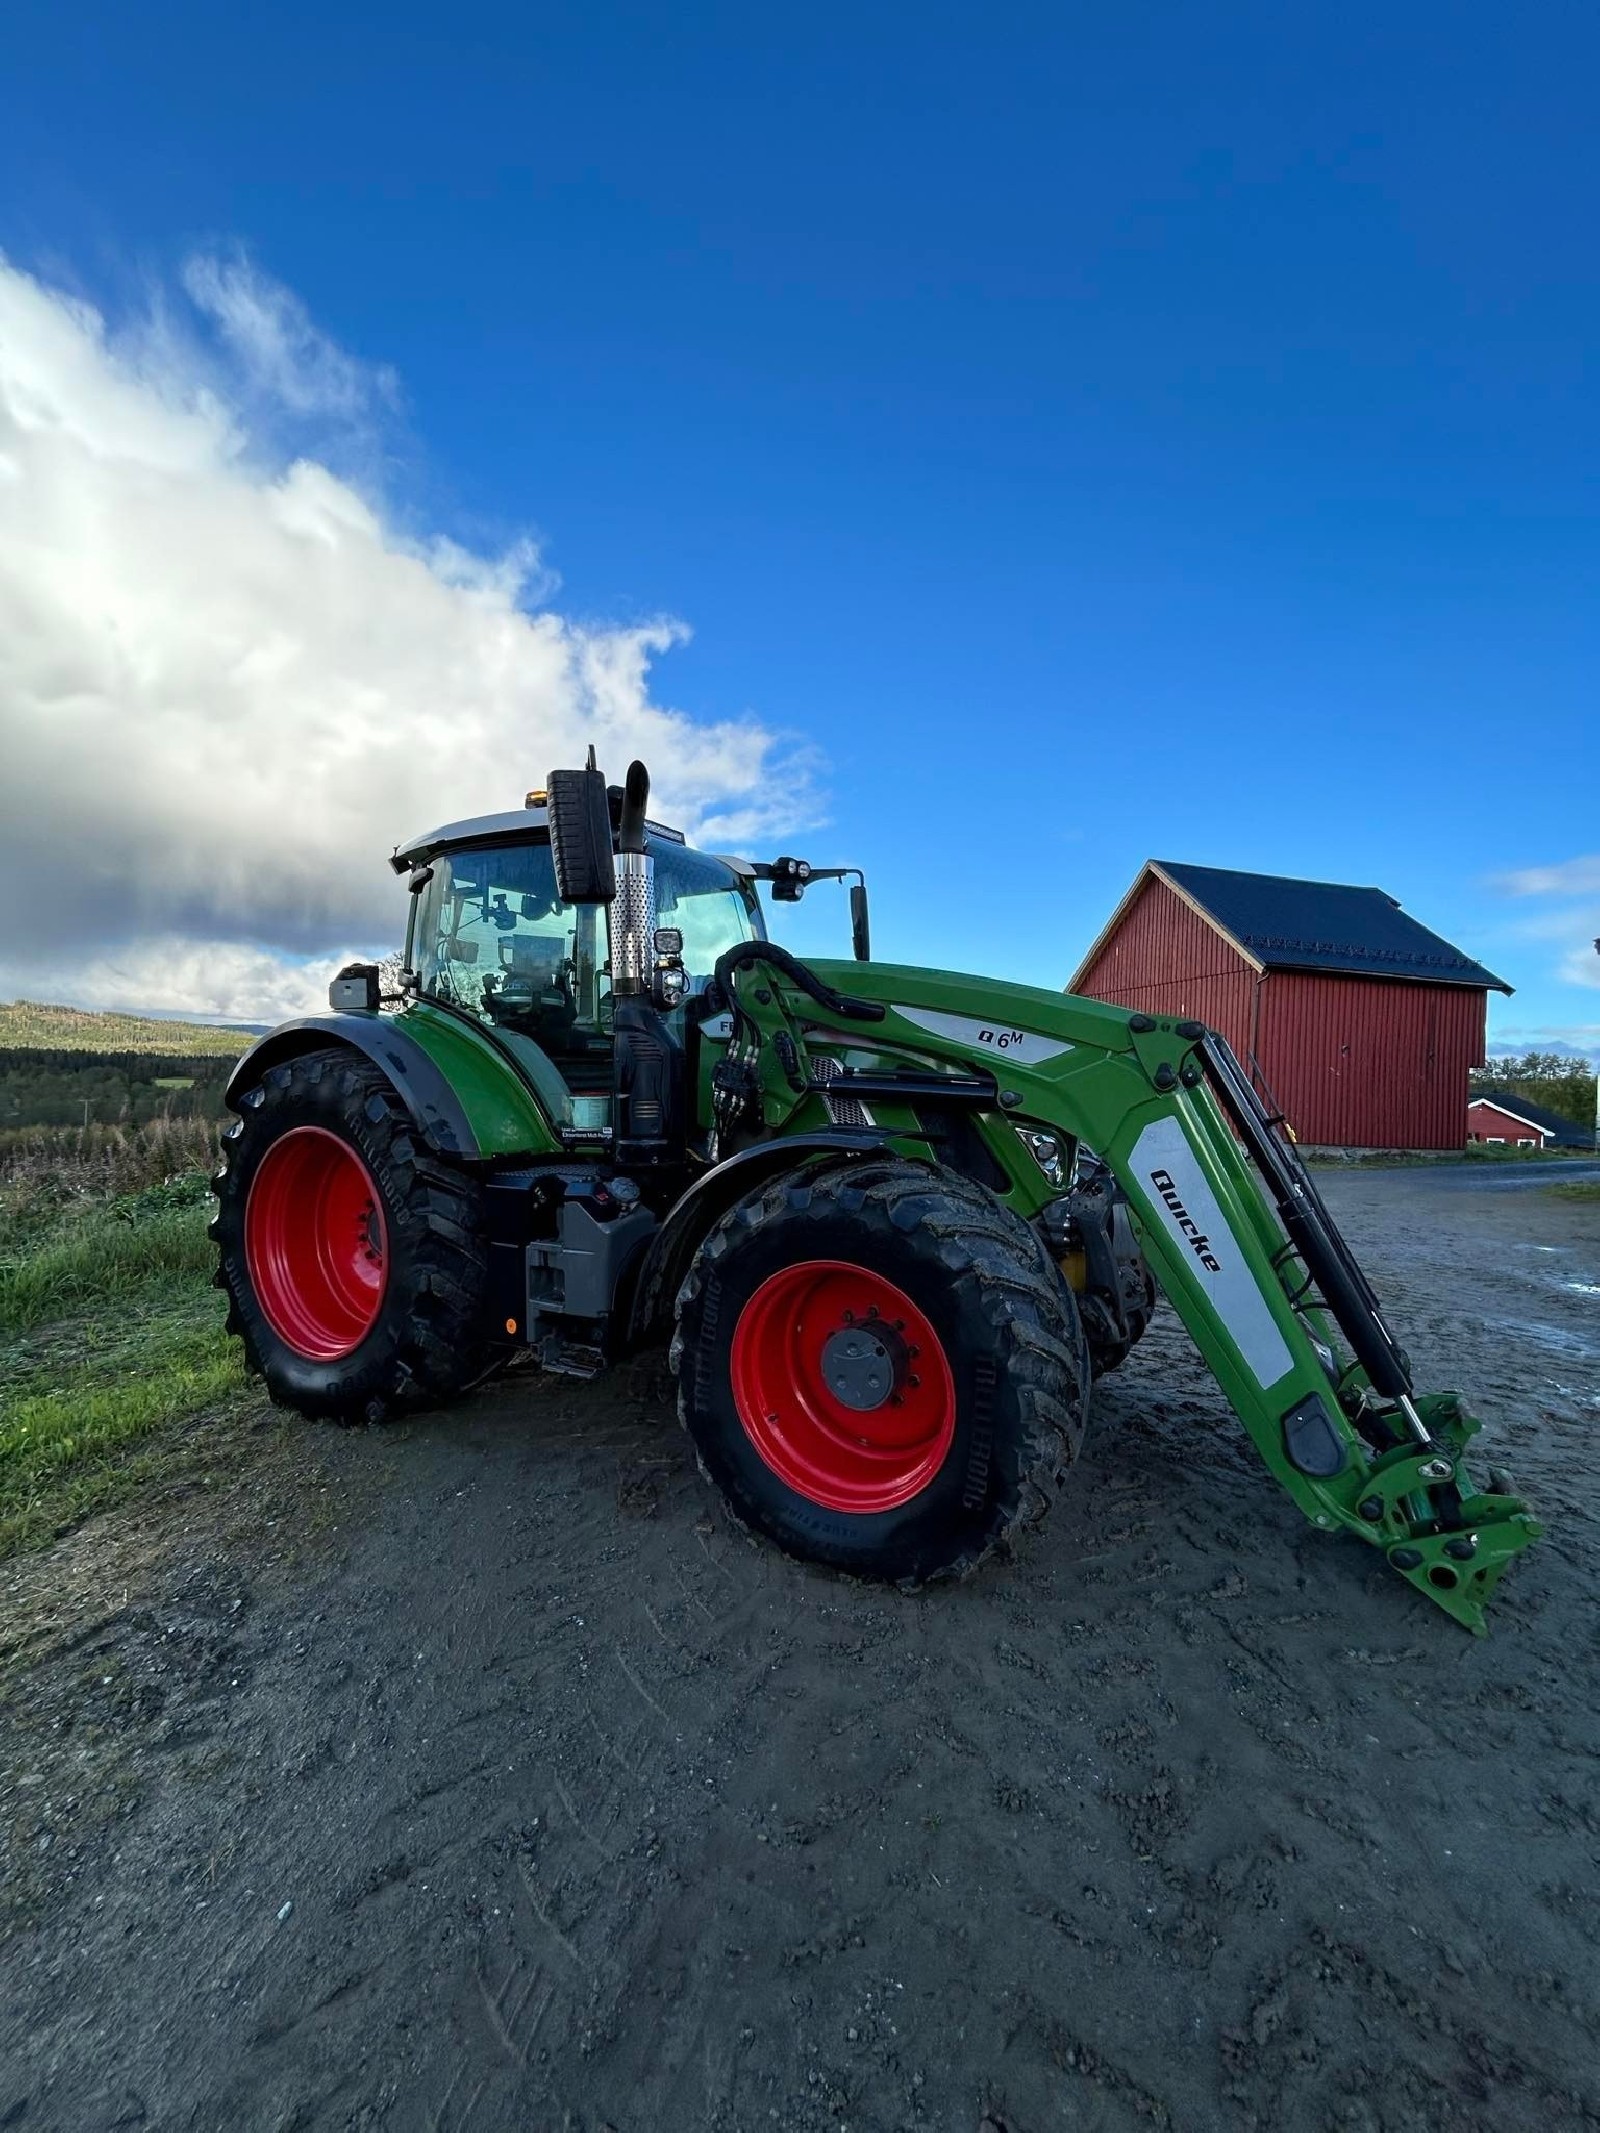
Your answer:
<point x="1007" y="1323"/>
<point x="1109" y="1349"/>
<point x="428" y="1338"/>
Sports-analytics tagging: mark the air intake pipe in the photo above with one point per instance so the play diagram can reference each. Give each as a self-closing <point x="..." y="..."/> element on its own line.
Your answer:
<point x="633" y="914"/>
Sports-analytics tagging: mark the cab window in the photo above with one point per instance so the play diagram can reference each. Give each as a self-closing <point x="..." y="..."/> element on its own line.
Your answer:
<point x="494" y="938"/>
<point x="707" y="903"/>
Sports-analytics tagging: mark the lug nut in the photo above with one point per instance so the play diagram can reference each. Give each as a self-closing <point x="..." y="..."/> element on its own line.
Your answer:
<point x="1371" y="1509"/>
<point x="1463" y="1548"/>
<point x="1405" y="1558"/>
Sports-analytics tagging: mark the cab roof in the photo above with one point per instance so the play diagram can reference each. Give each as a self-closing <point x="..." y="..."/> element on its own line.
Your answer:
<point x="518" y="825"/>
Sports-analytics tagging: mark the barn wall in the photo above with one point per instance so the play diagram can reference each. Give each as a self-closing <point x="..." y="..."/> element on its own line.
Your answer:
<point x="1165" y="959"/>
<point x="1487" y="1122"/>
<point x="1370" y="1062"/>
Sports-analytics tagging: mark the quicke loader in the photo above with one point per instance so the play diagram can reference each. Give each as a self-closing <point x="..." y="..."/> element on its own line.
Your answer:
<point x="894" y="1221"/>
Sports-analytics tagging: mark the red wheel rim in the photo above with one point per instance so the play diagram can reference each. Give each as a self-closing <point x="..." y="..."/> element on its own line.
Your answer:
<point x="842" y="1386"/>
<point x="315" y="1244"/>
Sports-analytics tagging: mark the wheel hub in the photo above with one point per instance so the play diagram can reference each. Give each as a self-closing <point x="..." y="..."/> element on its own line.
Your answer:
<point x="863" y="1365"/>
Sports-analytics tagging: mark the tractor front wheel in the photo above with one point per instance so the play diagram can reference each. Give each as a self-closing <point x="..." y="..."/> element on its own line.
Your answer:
<point x="353" y="1259"/>
<point x="880" y="1369"/>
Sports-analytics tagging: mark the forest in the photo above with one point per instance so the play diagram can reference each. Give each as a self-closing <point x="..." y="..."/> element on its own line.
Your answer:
<point x="1554" y="1079"/>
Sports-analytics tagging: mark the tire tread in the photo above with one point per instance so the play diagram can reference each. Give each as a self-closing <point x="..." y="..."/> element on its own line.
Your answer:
<point x="1020" y="1293"/>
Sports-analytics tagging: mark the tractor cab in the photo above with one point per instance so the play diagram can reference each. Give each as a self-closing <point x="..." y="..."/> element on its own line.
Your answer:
<point x="491" y="937"/>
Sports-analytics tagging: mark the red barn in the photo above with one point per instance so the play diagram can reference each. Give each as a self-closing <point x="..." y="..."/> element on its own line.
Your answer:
<point x="1355" y="1021"/>
<point x="1491" y="1120"/>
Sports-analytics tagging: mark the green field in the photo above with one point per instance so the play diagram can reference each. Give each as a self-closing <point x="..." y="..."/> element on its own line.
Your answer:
<point x="111" y="1336"/>
<point x="26" y="1026"/>
<point x="62" y="1067"/>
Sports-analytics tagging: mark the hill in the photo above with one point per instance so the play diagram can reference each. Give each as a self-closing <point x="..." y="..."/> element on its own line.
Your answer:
<point x="27" y="1026"/>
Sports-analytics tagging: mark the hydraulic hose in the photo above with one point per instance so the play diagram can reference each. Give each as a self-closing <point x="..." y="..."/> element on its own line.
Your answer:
<point x="744" y="953"/>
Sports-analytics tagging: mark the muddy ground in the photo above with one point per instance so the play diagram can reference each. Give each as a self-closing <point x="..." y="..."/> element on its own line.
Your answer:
<point x="475" y="1775"/>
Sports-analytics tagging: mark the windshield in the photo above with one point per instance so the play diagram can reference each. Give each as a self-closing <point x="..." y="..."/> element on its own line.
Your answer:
<point x="493" y="937"/>
<point x="707" y="903"/>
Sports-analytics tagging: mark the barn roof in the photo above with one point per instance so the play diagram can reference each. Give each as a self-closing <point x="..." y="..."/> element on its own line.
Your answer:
<point x="1561" y="1130"/>
<point x="1284" y="924"/>
<point x="1279" y="923"/>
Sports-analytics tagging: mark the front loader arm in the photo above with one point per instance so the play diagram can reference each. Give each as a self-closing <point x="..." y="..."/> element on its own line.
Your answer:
<point x="1228" y="1217"/>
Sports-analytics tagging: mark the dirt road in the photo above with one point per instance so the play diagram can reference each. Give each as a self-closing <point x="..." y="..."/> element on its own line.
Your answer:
<point x="475" y="1775"/>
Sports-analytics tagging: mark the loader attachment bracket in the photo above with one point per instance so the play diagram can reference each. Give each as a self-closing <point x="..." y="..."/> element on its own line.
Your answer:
<point x="1413" y="1499"/>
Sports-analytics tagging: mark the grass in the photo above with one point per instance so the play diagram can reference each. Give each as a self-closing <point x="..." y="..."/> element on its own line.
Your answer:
<point x="102" y="1257"/>
<point x="1485" y="1152"/>
<point x="1471" y="1152"/>
<point x="111" y="1338"/>
<point x="1583" y="1189"/>
<point x="65" y="1446"/>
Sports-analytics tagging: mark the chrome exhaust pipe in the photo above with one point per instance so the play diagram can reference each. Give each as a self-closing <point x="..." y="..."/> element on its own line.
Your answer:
<point x="633" y="912"/>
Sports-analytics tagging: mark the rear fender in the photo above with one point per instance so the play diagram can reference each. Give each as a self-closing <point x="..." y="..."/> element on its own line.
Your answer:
<point x="435" y="1109"/>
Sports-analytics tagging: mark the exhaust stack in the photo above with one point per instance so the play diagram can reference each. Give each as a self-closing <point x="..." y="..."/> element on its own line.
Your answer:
<point x="633" y="914"/>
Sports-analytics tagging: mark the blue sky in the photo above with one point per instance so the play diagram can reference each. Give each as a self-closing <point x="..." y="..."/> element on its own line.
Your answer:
<point x="1093" y="434"/>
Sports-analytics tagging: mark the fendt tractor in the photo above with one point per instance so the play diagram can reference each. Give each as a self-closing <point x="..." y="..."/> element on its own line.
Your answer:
<point x="894" y="1222"/>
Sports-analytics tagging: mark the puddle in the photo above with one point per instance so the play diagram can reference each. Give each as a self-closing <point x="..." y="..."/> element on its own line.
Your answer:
<point x="1582" y="1288"/>
<point x="1549" y="1336"/>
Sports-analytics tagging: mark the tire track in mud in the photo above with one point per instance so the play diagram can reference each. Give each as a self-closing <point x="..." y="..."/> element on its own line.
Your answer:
<point x="590" y="1813"/>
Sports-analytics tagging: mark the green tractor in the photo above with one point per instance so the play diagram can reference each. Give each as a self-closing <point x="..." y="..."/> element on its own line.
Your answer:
<point x="893" y="1221"/>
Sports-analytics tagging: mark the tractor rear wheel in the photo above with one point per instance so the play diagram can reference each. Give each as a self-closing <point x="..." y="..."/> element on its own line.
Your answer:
<point x="880" y="1369"/>
<point x="353" y="1260"/>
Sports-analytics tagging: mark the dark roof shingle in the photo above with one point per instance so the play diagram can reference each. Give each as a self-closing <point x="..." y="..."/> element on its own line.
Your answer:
<point x="1323" y="925"/>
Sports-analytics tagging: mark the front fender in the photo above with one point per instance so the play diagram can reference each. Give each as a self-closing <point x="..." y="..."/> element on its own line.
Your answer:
<point x="671" y="1250"/>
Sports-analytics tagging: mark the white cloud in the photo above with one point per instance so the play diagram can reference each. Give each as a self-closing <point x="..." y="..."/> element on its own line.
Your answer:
<point x="1572" y="877"/>
<point x="1572" y="923"/>
<point x="276" y="345"/>
<point x="229" y="979"/>
<point x="228" y="685"/>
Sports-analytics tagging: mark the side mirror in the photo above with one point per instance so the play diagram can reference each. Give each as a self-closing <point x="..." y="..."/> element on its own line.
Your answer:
<point x="860" y="922"/>
<point x="580" y="835"/>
